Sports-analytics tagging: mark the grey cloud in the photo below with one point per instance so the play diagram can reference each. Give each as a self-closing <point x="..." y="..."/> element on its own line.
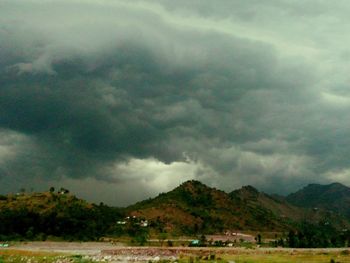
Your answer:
<point x="97" y="85"/>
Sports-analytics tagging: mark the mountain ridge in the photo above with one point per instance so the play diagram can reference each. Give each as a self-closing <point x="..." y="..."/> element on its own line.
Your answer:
<point x="192" y="208"/>
<point x="211" y="210"/>
<point x="334" y="197"/>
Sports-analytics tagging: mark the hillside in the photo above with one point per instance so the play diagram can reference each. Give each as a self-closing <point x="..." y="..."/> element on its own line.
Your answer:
<point x="252" y="200"/>
<point x="194" y="207"/>
<point x="189" y="209"/>
<point x="284" y="211"/>
<point x="62" y="215"/>
<point x="333" y="197"/>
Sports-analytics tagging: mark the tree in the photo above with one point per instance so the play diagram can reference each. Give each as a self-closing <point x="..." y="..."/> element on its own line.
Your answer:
<point x="170" y="243"/>
<point x="141" y="239"/>
<point x="52" y="189"/>
<point x="161" y="237"/>
<point x="203" y="240"/>
<point x="292" y="239"/>
<point x="30" y="233"/>
<point x="258" y="239"/>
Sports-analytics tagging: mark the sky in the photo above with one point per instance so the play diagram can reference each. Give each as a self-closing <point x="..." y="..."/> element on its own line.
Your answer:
<point x="121" y="100"/>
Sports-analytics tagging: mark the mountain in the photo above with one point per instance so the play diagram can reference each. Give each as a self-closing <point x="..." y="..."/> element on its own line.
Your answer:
<point x="189" y="209"/>
<point x="36" y="216"/>
<point x="333" y="197"/>
<point x="196" y="208"/>
<point x="254" y="200"/>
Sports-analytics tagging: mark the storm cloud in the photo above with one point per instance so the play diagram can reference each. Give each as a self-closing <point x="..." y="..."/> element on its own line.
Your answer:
<point x="115" y="95"/>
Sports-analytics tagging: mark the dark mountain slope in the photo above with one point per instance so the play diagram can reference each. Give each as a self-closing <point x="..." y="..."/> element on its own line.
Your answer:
<point x="333" y="197"/>
<point x="194" y="207"/>
<point x="191" y="208"/>
<point x="36" y="216"/>
<point x="253" y="199"/>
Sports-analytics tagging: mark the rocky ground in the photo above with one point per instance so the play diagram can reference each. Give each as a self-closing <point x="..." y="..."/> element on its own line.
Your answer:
<point x="107" y="252"/>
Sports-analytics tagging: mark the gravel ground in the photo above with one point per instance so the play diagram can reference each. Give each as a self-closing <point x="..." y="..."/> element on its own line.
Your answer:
<point x="107" y="252"/>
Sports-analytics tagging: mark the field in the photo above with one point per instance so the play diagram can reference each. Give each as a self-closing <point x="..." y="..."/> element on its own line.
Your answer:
<point x="61" y="252"/>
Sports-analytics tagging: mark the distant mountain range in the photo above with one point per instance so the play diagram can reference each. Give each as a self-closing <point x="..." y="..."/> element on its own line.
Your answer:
<point x="195" y="207"/>
<point x="333" y="197"/>
<point x="189" y="209"/>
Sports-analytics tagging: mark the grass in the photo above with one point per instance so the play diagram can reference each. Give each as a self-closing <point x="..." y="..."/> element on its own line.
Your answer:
<point x="11" y="252"/>
<point x="21" y="256"/>
<point x="214" y="256"/>
<point x="269" y="258"/>
<point x="260" y="256"/>
<point x="290" y="256"/>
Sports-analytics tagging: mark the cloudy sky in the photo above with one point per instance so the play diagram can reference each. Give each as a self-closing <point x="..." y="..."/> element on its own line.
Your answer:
<point x="120" y="100"/>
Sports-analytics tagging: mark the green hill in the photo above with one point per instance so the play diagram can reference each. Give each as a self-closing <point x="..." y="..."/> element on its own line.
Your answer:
<point x="196" y="208"/>
<point x="190" y="209"/>
<point x="333" y="197"/>
<point x="285" y="212"/>
<point x="56" y="215"/>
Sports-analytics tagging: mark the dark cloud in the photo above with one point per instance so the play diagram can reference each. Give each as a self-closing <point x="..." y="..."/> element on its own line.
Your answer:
<point x="112" y="91"/>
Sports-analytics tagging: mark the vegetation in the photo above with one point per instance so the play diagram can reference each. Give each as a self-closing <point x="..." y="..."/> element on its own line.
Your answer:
<point x="333" y="197"/>
<point x="244" y="256"/>
<point x="192" y="209"/>
<point x="38" y="216"/>
<point x="317" y="236"/>
<point x="17" y="256"/>
<point x="272" y="257"/>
